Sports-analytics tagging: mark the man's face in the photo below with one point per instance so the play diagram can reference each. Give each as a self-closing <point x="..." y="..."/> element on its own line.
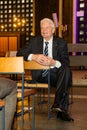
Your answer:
<point x="47" y="30"/>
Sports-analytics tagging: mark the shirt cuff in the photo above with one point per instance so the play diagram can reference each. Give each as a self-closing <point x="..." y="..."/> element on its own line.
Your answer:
<point x="30" y="57"/>
<point x="58" y="64"/>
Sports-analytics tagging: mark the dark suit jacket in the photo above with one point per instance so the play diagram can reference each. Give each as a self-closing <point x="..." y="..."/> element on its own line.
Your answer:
<point x="35" y="46"/>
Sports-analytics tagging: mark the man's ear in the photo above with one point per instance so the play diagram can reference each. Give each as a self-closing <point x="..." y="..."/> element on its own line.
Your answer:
<point x="53" y="30"/>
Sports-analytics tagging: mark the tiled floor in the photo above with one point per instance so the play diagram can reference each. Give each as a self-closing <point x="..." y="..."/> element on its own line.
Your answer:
<point x="78" y="110"/>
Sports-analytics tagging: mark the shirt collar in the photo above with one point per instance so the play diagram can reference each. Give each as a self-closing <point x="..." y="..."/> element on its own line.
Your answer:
<point x="49" y="40"/>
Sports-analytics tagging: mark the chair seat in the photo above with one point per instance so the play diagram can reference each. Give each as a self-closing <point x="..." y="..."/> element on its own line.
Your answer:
<point x="27" y="92"/>
<point x="33" y="85"/>
<point x="79" y="77"/>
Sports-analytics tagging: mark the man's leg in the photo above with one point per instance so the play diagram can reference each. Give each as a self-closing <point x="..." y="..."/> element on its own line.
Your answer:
<point x="8" y="93"/>
<point x="61" y="79"/>
<point x="63" y="82"/>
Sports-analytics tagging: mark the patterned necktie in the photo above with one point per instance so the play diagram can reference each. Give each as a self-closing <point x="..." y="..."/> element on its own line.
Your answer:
<point x="46" y="48"/>
<point x="45" y="72"/>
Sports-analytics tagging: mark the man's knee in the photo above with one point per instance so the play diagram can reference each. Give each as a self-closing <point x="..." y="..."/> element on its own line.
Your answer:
<point x="7" y="87"/>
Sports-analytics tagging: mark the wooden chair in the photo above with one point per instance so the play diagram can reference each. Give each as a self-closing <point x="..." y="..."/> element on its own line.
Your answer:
<point x="11" y="54"/>
<point x="32" y="65"/>
<point x="78" y="63"/>
<point x="2" y="107"/>
<point x="15" y="65"/>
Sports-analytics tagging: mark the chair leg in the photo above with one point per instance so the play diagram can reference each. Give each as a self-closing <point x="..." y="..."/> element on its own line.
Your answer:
<point x="29" y="106"/>
<point x="3" y="118"/>
<point x="33" y="113"/>
<point x="71" y="97"/>
<point x="49" y="103"/>
<point x="39" y="96"/>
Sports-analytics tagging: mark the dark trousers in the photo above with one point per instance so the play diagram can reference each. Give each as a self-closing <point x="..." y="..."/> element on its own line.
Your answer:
<point x="61" y="79"/>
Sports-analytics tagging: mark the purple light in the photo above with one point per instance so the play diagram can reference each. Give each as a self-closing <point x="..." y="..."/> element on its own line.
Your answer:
<point x="80" y="13"/>
<point x="55" y="19"/>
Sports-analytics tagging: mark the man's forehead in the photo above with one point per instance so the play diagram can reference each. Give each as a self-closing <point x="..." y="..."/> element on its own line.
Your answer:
<point x="46" y="23"/>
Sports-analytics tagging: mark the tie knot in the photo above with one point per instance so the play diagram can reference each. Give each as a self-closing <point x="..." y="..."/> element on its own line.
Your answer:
<point x="46" y="43"/>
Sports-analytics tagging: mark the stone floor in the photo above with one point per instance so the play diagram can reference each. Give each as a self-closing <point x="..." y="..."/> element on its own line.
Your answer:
<point x="78" y="110"/>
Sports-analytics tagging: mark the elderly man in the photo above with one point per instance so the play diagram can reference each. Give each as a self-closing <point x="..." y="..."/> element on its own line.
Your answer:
<point x="51" y="50"/>
<point x="8" y="94"/>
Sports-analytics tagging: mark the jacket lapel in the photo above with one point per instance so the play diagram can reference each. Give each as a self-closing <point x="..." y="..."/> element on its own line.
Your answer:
<point x="55" y="47"/>
<point x="40" y="45"/>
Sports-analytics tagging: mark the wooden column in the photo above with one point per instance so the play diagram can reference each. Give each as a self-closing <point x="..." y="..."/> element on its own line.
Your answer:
<point x="60" y="17"/>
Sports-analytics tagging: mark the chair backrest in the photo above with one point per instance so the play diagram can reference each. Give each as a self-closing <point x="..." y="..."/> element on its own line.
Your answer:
<point x="11" y="65"/>
<point x="32" y="65"/>
<point x="78" y="54"/>
<point x="11" y="54"/>
<point x="78" y="47"/>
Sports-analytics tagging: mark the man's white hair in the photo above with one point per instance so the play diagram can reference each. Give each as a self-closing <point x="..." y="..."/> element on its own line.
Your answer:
<point x="48" y="20"/>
